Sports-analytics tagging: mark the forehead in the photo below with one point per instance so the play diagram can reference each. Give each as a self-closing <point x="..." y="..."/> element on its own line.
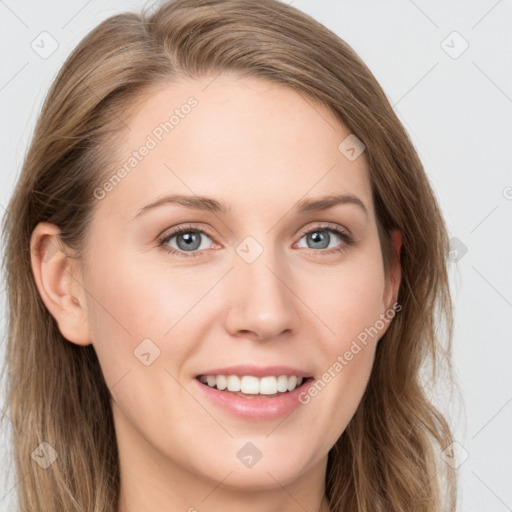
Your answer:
<point x="245" y="140"/>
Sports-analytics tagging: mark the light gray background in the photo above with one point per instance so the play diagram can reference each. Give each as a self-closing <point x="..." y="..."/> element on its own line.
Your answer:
<point x="458" y="112"/>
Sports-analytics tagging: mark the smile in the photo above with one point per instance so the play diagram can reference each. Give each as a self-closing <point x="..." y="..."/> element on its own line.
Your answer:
<point x="253" y="392"/>
<point x="250" y="385"/>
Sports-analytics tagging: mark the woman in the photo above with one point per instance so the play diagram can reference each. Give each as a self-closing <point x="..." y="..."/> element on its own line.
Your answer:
<point x="225" y="271"/>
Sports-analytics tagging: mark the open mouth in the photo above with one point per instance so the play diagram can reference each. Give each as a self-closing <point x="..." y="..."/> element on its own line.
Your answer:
<point x="248" y="386"/>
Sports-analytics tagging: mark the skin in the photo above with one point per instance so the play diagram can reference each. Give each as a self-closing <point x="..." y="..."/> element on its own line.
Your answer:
<point x="260" y="147"/>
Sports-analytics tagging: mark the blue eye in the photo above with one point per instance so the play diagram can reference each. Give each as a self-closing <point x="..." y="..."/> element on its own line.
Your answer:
<point x="321" y="237"/>
<point x="188" y="240"/>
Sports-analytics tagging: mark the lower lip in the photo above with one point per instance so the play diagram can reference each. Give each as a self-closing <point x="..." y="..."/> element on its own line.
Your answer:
<point x="259" y="408"/>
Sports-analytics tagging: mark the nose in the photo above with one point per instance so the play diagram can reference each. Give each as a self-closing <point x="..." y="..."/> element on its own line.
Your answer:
<point x="262" y="305"/>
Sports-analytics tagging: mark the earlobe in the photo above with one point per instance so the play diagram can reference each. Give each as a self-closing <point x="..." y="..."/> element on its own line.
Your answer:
<point x="59" y="289"/>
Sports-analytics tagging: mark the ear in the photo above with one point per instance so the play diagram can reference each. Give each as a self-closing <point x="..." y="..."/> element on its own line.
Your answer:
<point x="395" y="271"/>
<point x="58" y="283"/>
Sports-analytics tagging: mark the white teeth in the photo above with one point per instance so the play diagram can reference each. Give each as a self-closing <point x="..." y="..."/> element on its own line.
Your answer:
<point x="253" y="385"/>
<point x="250" y="385"/>
<point x="268" y="386"/>
<point x="222" y="382"/>
<point x="292" y="383"/>
<point x="282" y="383"/>
<point x="234" y="383"/>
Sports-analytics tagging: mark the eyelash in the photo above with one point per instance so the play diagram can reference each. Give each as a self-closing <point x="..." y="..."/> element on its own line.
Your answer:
<point x="166" y="237"/>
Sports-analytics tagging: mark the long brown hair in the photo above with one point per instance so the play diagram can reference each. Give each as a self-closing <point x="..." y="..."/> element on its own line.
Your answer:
<point x="388" y="458"/>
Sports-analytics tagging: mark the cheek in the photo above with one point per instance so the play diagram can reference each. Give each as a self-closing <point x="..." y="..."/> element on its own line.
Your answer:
<point x="352" y="306"/>
<point x="126" y="307"/>
<point x="131" y="302"/>
<point x="350" y="299"/>
<point x="136" y="299"/>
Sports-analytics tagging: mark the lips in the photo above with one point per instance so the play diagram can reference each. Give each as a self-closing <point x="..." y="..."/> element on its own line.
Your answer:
<point x="254" y="392"/>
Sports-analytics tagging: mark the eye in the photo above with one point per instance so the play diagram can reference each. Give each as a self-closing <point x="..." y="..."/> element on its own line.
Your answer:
<point x="185" y="239"/>
<point x="188" y="241"/>
<point x="320" y="237"/>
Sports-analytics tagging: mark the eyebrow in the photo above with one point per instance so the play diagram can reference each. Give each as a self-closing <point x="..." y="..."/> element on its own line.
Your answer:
<point x="324" y="203"/>
<point x="220" y="207"/>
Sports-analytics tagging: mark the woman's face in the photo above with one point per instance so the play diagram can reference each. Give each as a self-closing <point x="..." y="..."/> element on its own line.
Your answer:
<point x="260" y="284"/>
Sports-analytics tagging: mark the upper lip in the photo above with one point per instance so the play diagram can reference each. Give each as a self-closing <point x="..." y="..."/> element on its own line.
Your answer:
<point x="256" y="371"/>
